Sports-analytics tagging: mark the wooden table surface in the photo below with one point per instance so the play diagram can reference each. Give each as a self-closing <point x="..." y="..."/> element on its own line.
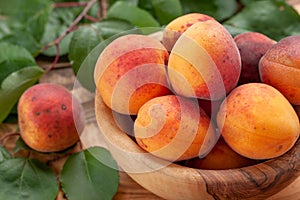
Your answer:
<point x="128" y="189"/>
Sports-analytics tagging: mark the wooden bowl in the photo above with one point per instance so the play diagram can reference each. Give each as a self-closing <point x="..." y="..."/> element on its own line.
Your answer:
<point x="172" y="181"/>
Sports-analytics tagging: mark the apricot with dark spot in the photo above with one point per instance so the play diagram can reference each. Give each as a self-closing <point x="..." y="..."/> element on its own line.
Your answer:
<point x="53" y="121"/>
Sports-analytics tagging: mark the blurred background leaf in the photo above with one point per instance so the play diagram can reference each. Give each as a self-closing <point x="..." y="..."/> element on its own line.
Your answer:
<point x="135" y="15"/>
<point x="274" y="18"/>
<point x="58" y="22"/>
<point x="27" y="18"/>
<point x="166" y="10"/>
<point x="219" y="9"/>
<point x="18" y="71"/>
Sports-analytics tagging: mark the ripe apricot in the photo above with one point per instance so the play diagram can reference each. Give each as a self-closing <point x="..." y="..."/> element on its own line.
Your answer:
<point x="179" y="25"/>
<point x="252" y="46"/>
<point x="130" y="71"/>
<point x="174" y="128"/>
<point x="280" y="67"/>
<point x="220" y="157"/>
<point x="205" y="62"/>
<point x="50" y="118"/>
<point x="258" y="122"/>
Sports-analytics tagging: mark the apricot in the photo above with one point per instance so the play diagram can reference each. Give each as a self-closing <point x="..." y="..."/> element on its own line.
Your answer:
<point x="50" y="118"/>
<point x="220" y="157"/>
<point x="130" y="71"/>
<point x="258" y="122"/>
<point x="175" y="28"/>
<point x="174" y="128"/>
<point x="280" y="67"/>
<point x="252" y="46"/>
<point x="204" y="62"/>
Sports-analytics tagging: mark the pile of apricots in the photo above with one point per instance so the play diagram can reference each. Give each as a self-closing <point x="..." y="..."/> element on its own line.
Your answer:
<point x="203" y="97"/>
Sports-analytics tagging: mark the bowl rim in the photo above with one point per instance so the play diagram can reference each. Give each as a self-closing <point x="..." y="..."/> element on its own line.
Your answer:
<point x="260" y="180"/>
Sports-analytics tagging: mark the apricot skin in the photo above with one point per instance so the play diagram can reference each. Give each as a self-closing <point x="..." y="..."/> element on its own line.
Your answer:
<point x="258" y="122"/>
<point x="220" y="157"/>
<point x="205" y="62"/>
<point x="172" y="128"/>
<point x="179" y="25"/>
<point x="252" y="46"/>
<point x="280" y="67"/>
<point x="130" y="71"/>
<point x="50" y="119"/>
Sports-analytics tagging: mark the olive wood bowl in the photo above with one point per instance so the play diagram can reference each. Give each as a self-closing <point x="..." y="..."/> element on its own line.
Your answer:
<point x="174" y="181"/>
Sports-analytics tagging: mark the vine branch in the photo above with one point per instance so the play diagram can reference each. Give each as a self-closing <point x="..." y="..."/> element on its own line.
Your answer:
<point x="69" y="4"/>
<point x="72" y="27"/>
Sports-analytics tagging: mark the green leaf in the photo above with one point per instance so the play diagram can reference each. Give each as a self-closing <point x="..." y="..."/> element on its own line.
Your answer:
<point x="234" y="30"/>
<point x="110" y="27"/>
<point x="86" y="69"/>
<point x="147" y="5"/>
<point x="11" y="32"/>
<point x="27" y="179"/>
<point x="82" y="42"/>
<point x="167" y="10"/>
<point x="63" y="46"/>
<point x="133" y="2"/>
<point x="5" y="27"/>
<point x="59" y="21"/>
<point x="21" y="145"/>
<point x="90" y="174"/>
<point x="4" y="154"/>
<point x="219" y="9"/>
<point x="275" y="18"/>
<point x="246" y="2"/>
<point x="14" y="85"/>
<point x="136" y="16"/>
<point x="31" y="15"/>
<point x="11" y="119"/>
<point x="13" y="58"/>
<point x="58" y="1"/>
<point x="25" y="40"/>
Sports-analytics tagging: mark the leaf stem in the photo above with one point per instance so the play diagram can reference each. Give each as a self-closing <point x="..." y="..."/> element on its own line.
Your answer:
<point x="56" y="59"/>
<point x="92" y="19"/>
<point x="4" y="137"/>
